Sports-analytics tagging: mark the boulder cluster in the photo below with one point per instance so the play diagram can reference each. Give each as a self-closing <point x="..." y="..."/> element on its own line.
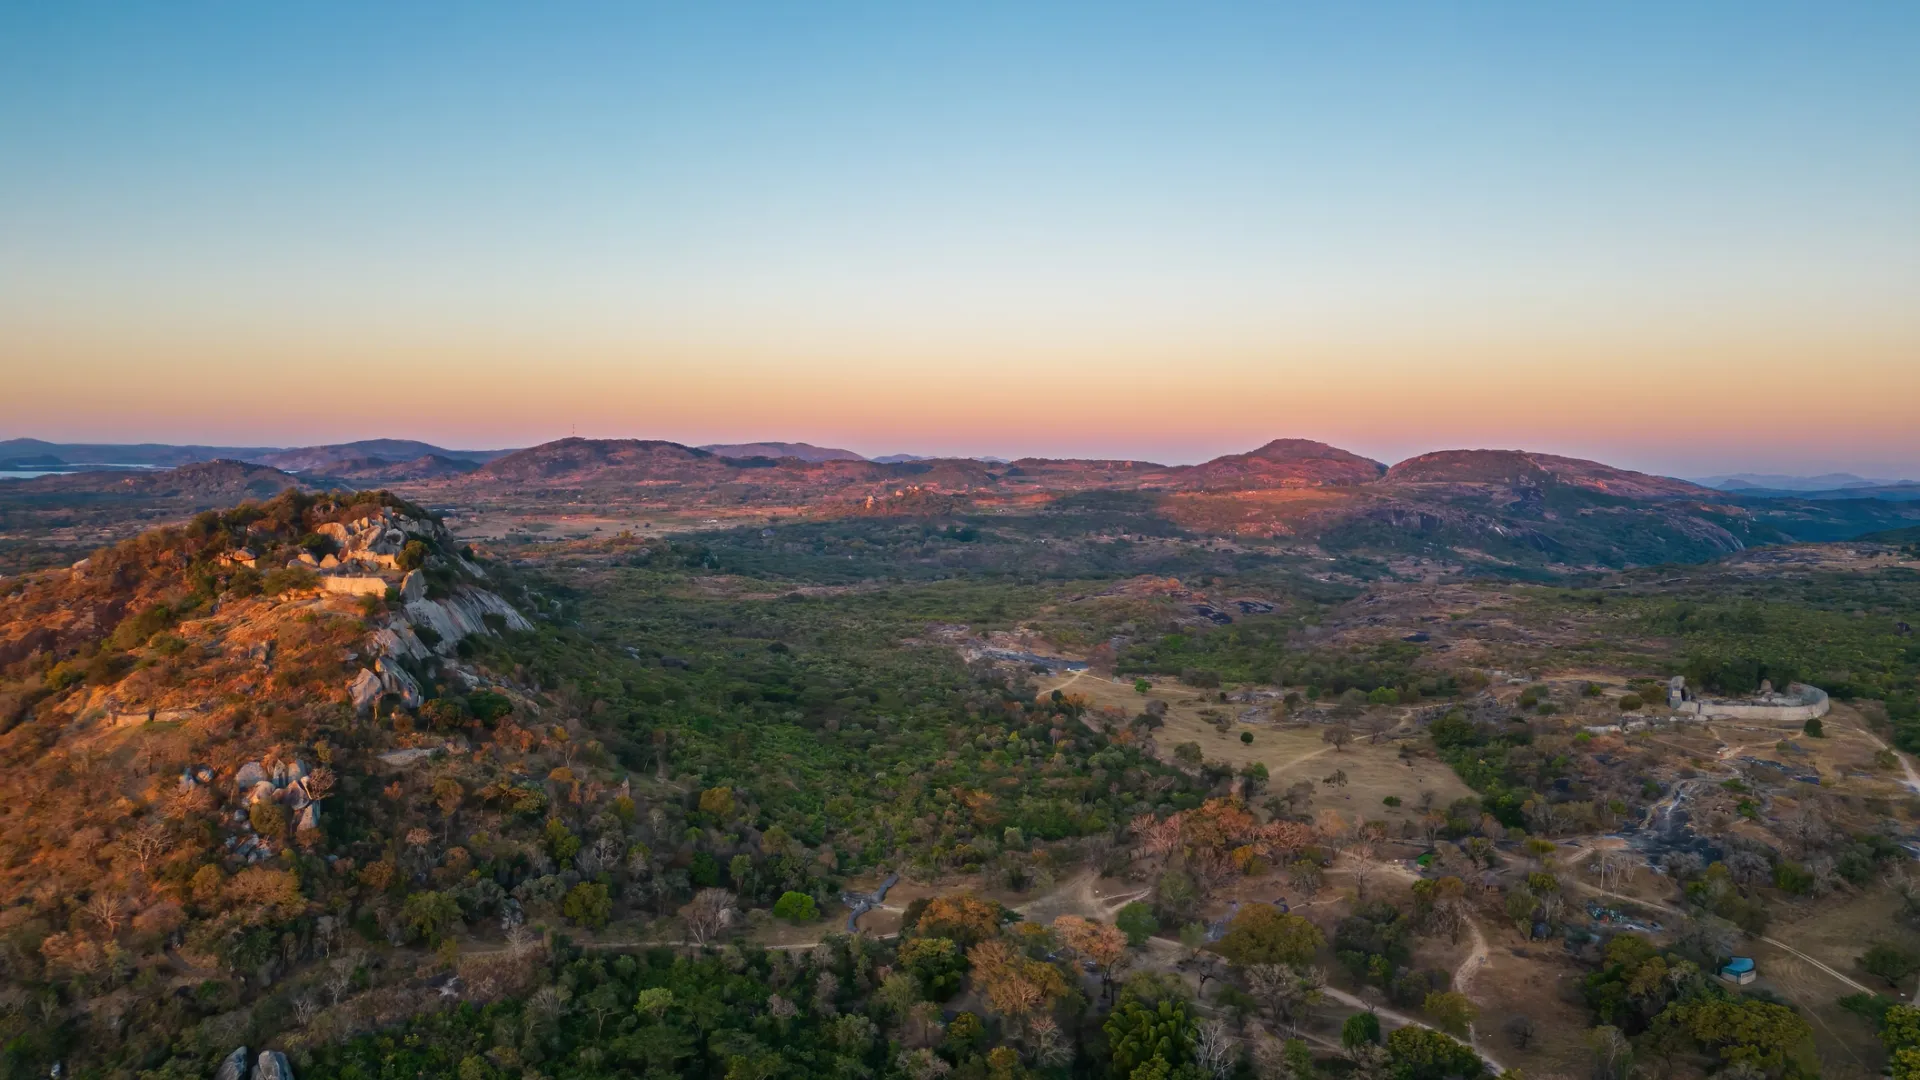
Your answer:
<point x="285" y="783"/>
<point x="271" y="1065"/>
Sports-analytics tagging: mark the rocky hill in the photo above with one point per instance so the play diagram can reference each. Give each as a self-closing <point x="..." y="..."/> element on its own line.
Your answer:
<point x="1519" y="469"/>
<point x="1284" y="463"/>
<point x="199" y="734"/>
<point x="379" y="470"/>
<point x="315" y="458"/>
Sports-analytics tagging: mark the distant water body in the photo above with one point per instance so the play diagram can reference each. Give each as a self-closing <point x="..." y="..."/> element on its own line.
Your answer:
<point x="28" y="474"/>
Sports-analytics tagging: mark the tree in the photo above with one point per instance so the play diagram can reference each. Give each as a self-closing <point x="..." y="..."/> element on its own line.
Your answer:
<point x="588" y="905"/>
<point x="1213" y="1049"/>
<point x="1137" y="921"/>
<point x="1141" y="686"/>
<point x="1418" y="1053"/>
<point x="448" y="795"/>
<point x="710" y="912"/>
<point x="1900" y="1033"/>
<point x="1188" y="754"/>
<point x="147" y="841"/>
<point x="1520" y="908"/>
<point x="1759" y="1033"/>
<point x="795" y="907"/>
<point x="1101" y="945"/>
<point x="937" y="963"/>
<point x="1452" y="1010"/>
<point x="1612" y="1053"/>
<point x="1143" y="1029"/>
<point x="1263" y="934"/>
<point x="1815" y="729"/>
<point x="1337" y="736"/>
<point x="430" y="915"/>
<point x="963" y="917"/>
<point x="1285" y="991"/>
<point x="1014" y="985"/>
<point x="1361" y="1029"/>
<point x="1890" y="962"/>
<point x="108" y="910"/>
<point x="1519" y="1029"/>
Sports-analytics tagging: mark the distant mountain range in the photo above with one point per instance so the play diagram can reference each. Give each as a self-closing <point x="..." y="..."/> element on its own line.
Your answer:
<point x="1778" y="482"/>
<point x="1503" y="511"/>
<point x="39" y="454"/>
<point x="1827" y="486"/>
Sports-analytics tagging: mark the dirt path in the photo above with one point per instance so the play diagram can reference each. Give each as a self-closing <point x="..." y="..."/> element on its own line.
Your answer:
<point x="1906" y="766"/>
<point x="1773" y="941"/>
<point x="1075" y="896"/>
<point x="1463" y="976"/>
<point x="1399" y="1019"/>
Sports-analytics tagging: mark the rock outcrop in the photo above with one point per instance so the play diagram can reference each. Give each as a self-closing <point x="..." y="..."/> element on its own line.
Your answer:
<point x="233" y="1066"/>
<point x="272" y="1066"/>
<point x="462" y="614"/>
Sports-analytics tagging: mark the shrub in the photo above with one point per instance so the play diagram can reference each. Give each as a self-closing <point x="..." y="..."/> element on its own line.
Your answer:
<point x="1246" y="737"/>
<point x="1137" y="921"/>
<point x="1631" y="703"/>
<point x="1890" y="962"/>
<point x="1815" y="729"/>
<point x="1201" y="678"/>
<point x="1391" y="800"/>
<point x="268" y="818"/>
<point x="413" y="556"/>
<point x="795" y="907"/>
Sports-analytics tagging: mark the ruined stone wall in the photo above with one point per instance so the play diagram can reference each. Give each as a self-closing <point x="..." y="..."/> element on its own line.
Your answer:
<point x="1812" y="702"/>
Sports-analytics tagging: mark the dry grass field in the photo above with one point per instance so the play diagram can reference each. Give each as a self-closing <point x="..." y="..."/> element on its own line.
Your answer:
<point x="1291" y="752"/>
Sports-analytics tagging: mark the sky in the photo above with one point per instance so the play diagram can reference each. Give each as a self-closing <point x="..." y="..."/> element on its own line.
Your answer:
<point x="1683" y="238"/>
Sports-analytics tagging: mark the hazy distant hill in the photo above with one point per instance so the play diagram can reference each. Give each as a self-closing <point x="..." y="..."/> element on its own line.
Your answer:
<point x="308" y="458"/>
<point x="1778" y="482"/>
<point x="365" y="470"/>
<point x="293" y="459"/>
<point x="803" y="451"/>
<point x="216" y="483"/>
<point x="125" y="453"/>
<point x="1520" y="468"/>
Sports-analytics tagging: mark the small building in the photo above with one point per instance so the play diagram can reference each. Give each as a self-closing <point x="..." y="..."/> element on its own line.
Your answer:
<point x="1739" y="970"/>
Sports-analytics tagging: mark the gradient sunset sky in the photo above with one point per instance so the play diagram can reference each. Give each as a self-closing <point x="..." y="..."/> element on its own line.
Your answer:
<point x="1678" y="237"/>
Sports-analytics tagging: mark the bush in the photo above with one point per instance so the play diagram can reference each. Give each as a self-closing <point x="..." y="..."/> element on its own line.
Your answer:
<point x="796" y="907"/>
<point x="1391" y="800"/>
<point x="1246" y="737"/>
<point x="287" y="579"/>
<point x="268" y="818"/>
<point x="1631" y="703"/>
<point x="1815" y="729"/>
<point x="1137" y="921"/>
<point x="1890" y="962"/>
<point x="413" y="556"/>
<point x="1201" y="678"/>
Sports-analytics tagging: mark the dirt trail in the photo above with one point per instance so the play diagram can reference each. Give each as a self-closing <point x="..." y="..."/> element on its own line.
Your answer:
<point x="1464" y="975"/>
<point x="1906" y="766"/>
<point x="1075" y="896"/>
<point x="1401" y="1019"/>
<point x="1669" y="909"/>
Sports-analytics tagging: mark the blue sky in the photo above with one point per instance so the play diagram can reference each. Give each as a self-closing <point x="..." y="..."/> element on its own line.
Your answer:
<point x="734" y="221"/>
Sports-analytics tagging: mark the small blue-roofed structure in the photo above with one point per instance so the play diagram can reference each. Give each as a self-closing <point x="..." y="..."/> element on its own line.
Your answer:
<point x="1740" y="970"/>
